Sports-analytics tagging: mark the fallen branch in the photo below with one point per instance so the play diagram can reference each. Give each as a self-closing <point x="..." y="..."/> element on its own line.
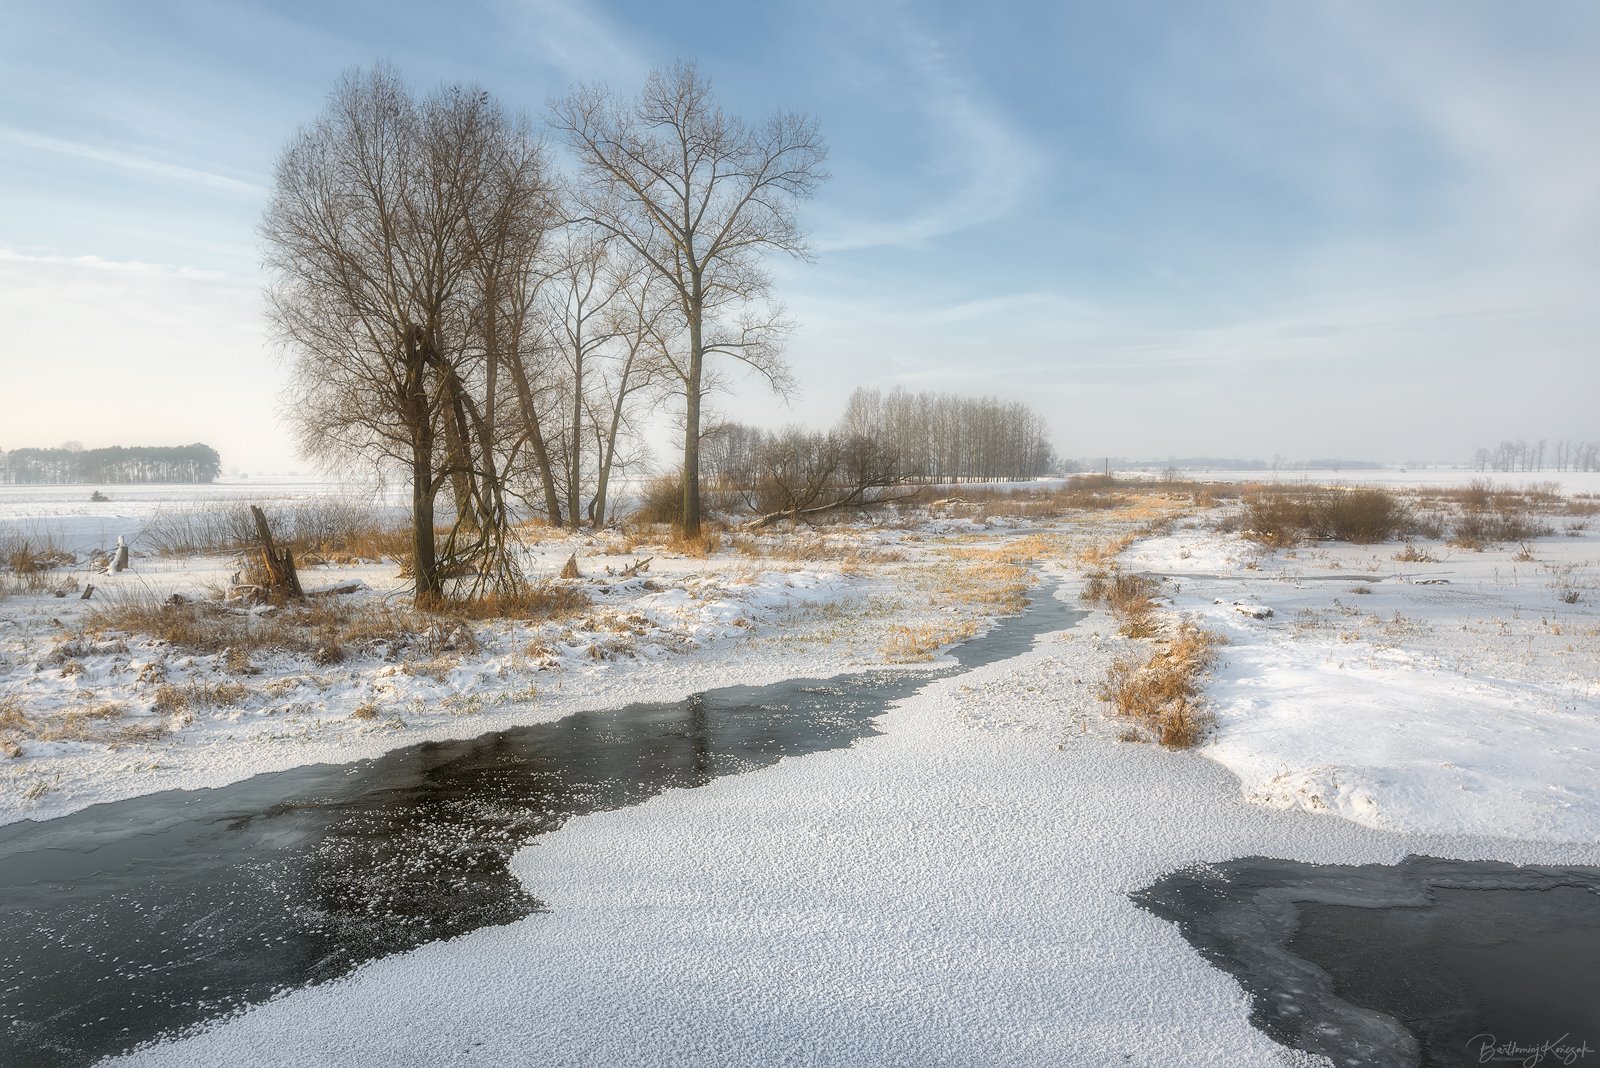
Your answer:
<point x="854" y="500"/>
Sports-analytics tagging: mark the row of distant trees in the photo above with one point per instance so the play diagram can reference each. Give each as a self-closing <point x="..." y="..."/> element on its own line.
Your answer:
<point x="883" y="441"/>
<point x="1563" y="454"/>
<point x="946" y="438"/>
<point x="455" y="306"/>
<point x="116" y="465"/>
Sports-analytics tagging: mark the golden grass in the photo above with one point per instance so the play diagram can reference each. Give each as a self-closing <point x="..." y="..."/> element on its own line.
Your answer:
<point x="207" y="627"/>
<point x="1000" y="588"/>
<point x="1413" y="553"/>
<point x="917" y="643"/>
<point x="1028" y="550"/>
<point x="1162" y="694"/>
<point x="94" y="722"/>
<point x="542" y="600"/>
<point x="697" y="547"/>
<point x="1130" y="599"/>
<point x="170" y="698"/>
<point x="1102" y="553"/>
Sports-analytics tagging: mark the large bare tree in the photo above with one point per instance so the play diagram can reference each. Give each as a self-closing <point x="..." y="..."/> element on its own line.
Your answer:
<point x="702" y="197"/>
<point x="383" y="212"/>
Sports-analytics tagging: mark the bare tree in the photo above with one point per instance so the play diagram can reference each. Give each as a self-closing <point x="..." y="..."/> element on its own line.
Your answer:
<point x="642" y="328"/>
<point x="381" y="214"/>
<point x="701" y="197"/>
<point x="584" y="283"/>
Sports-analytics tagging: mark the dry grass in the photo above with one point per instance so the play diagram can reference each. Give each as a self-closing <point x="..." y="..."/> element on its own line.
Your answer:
<point x="918" y="643"/>
<point x="535" y="601"/>
<point x="1101" y="553"/>
<point x="1128" y="597"/>
<point x="323" y="530"/>
<point x="94" y="722"/>
<point x="1162" y="694"/>
<point x="208" y="627"/>
<point x="697" y="547"/>
<point x="1028" y="550"/>
<point x="1415" y="554"/>
<point x="323" y="629"/>
<point x="1000" y="588"/>
<point x="198" y="693"/>
<point x="1283" y="517"/>
<point x="30" y="555"/>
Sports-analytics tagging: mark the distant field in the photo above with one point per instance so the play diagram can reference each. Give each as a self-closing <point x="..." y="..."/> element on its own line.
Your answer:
<point x="66" y="515"/>
<point x="1571" y="482"/>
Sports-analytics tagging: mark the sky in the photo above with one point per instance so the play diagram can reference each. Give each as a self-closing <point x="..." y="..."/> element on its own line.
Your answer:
<point x="1366" y="229"/>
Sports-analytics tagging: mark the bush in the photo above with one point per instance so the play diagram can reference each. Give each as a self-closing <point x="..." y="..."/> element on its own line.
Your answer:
<point x="661" y="500"/>
<point x="1362" y="516"/>
<point x="1284" y="517"/>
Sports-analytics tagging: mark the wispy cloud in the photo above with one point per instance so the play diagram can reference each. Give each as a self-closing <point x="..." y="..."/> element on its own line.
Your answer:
<point x="116" y="157"/>
<point x="578" y="39"/>
<point x="973" y="138"/>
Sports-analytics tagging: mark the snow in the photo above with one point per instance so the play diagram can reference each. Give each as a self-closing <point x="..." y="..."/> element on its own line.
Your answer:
<point x="685" y="625"/>
<point x="1378" y="693"/>
<point x="953" y="891"/>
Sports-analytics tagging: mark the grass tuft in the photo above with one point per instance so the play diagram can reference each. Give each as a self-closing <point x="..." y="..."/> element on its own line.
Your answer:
<point x="1162" y="694"/>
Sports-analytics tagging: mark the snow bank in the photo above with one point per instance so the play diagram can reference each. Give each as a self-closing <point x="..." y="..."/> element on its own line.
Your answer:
<point x="1461" y="696"/>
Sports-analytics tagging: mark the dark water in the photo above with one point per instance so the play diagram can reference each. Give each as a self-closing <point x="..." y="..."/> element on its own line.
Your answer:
<point x="1428" y="962"/>
<point x="129" y="920"/>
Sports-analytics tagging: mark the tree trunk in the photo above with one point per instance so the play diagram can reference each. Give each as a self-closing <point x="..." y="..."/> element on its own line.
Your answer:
<point x="608" y="453"/>
<point x="575" y="466"/>
<point x="541" y="454"/>
<point x="424" y="562"/>
<point x="691" y="430"/>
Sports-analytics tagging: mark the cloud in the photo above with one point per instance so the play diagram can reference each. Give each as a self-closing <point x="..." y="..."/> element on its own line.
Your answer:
<point x="130" y="161"/>
<point x="578" y="40"/>
<point x="973" y="138"/>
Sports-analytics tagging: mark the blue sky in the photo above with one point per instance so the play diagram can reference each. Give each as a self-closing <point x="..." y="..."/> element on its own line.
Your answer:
<point x="1244" y="228"/>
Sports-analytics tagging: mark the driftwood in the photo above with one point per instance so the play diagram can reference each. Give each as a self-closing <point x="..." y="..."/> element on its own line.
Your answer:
<point x="637" y="568"/>
<point x="282" y="578"/>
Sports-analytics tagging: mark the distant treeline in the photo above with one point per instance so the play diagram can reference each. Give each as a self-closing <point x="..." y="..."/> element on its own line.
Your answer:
<point x="117" y="465"/>
<point x="944" y="437"/>
<point x="1542" y="455"/>
<point x="1218" y="463"/>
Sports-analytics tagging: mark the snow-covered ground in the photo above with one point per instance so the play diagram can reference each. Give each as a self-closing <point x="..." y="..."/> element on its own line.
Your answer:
<point x="152" y="716"/>
<point x="1570" y="482"/>
<point x="1457" y="695"/>
<point x="954" y="890"/>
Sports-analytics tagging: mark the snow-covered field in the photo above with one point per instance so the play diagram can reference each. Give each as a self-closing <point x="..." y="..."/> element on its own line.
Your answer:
<point x="952" y="891"/>
<point x="65" y="516"/>
<point x="1570" y="482"/>
<point x="1460" y="694"/>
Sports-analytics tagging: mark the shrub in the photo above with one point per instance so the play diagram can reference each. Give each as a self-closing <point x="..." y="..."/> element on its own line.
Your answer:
<point x="1284" y="517"/>
<point x="661" y="500"/>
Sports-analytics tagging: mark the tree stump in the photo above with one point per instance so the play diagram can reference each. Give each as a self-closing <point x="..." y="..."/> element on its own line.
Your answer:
<point x="282" y="578"/>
